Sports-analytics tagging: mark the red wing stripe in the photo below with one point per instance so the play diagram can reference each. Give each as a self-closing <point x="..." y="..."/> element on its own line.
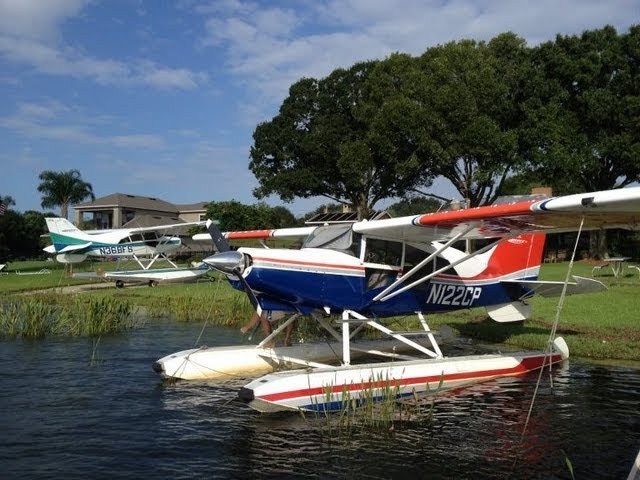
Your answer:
<point x="255" y="234"/>
<point x="478" y="213"/>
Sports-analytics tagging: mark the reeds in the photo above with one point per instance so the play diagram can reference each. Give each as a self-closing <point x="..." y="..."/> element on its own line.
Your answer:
<point x="36" y="317"/>
<point x="379" y="406"/>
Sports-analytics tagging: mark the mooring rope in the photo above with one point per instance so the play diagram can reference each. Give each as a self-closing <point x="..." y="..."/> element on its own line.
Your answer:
<point x="206" y="320"/>
<point x="554" y="328"/>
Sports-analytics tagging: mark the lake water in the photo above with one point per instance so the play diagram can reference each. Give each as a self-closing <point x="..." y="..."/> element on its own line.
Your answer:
<point x="74" y="409"/>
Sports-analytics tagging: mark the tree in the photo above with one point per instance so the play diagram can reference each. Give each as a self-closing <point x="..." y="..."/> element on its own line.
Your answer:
<point x="475" y="90"/>
<point x="7" y="200"/>
<point x="63" y="189"/>
<point x="234" y="216"/>
<point x="329" y="140"/>
<point x="414" y="205"/>
<point x="596" y="109"/>
<point x="593" y="139"/>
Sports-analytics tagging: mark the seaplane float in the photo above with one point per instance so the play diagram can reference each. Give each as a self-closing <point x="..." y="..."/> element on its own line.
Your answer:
<point x="349" y="277"/>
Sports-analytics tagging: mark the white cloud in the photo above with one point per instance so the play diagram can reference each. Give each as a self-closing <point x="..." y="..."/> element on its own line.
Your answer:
<point x="270" y="48"/>
<point x="67" y="61"/>
<point x="30" y="35"/>
<point x="37" y="19"/>
<point x="55" y="121"/>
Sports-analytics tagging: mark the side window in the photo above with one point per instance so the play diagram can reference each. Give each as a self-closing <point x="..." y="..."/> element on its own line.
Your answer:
<point x="383" y="251"/>
<point x="413" y="256"/>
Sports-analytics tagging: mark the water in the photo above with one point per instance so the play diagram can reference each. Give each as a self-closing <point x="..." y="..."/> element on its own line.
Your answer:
<point x="74" y="409"/>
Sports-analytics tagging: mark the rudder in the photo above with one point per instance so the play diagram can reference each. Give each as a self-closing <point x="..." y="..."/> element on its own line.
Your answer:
<point x="520" y="256"/>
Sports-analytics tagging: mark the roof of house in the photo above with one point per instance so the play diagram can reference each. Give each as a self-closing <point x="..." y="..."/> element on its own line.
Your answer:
<point x="192" y="207"/>
<point x="131" y="201"/>
<point x="151" y="221"/>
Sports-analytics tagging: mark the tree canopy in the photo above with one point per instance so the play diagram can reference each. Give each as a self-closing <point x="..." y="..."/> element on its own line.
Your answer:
<point x="328" y="140"/>
<point x="234" y="216"/>
<point x="480" y="114"/>
<point x="591" y="139"/>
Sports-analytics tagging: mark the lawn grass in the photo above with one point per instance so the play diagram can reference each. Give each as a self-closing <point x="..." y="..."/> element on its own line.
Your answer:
<point x="603" y="325"/>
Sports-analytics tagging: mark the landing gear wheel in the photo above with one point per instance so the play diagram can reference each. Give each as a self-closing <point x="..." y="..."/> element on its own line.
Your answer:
<point x="153" y="283"/>
<point x="119" y="284"/>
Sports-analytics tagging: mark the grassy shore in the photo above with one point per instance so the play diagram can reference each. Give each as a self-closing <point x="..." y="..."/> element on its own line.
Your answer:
<point x="600" y="326"/>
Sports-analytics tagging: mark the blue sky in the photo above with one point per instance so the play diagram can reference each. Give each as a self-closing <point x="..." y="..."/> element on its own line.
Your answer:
<point x="160" y="98"/>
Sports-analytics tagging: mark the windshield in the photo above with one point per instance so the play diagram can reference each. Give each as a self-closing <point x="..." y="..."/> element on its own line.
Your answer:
<point x="337" y="237"/>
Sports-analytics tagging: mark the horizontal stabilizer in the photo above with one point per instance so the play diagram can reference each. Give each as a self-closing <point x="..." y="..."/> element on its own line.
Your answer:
<point x="75" y="248"/>
<point x="509" y="312"/>
<point x="554" y="289"/>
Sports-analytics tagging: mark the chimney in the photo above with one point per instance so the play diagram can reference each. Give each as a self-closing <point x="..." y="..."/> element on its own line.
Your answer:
<point x="546" y="191"/>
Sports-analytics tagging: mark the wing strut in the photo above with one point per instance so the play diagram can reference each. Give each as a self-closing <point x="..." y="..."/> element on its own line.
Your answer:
<point x="417" y="267"/>
<point x="423" y="279"/>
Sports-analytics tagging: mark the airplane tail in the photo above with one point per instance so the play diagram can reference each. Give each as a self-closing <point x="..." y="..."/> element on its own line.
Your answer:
<point x="515" y="260"/>
<point x="61" y="226"/>
<point x="66" y="240"/>
<point x="518" y="257"/>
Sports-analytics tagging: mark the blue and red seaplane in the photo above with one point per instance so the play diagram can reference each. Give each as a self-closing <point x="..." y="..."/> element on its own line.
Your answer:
<point x="349" y="277"/>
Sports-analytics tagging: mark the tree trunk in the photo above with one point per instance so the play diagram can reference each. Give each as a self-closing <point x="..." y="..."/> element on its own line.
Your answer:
<point x="598" y="244"/>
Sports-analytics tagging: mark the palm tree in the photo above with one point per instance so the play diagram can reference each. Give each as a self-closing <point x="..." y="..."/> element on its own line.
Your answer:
<point x="63" y="189"/>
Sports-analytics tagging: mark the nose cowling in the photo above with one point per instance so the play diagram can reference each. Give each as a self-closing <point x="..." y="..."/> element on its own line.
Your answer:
<point x="226" y="262"/>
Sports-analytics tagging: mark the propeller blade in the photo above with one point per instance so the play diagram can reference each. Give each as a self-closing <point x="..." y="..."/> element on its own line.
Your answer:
<point x="218" y="238"/>
<point x="252" y="296"/>
<point x="229" y="261"/>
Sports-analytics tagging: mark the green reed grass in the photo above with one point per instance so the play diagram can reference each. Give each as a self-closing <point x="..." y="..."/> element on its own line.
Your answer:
<point x="376" y="407"/>
<point x="37" y="317"/>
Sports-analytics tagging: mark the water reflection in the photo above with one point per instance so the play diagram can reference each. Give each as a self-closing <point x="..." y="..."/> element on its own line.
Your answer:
<point x="64" y="418"/>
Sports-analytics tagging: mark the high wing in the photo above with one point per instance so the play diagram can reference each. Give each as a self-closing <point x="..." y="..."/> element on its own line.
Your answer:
<point x="294" y="232"/>
<point x="600" y="210"/>
<point x="164" y="228"/>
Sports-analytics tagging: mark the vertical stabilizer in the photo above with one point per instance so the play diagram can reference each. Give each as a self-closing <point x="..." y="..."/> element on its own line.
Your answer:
<point x="518" y="257"/>
<point x="61" y="226"/>
<point x="512" y="259"/>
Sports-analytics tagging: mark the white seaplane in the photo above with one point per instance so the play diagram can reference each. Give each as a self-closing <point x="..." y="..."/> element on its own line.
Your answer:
<point x="145" y="245"/>
<point x="370" y="270"/>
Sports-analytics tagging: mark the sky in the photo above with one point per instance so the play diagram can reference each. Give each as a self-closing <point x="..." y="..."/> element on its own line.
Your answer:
<point x="160" y="98"/>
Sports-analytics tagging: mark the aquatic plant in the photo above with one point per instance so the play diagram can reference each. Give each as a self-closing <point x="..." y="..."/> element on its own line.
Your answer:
<point x="36" y="317"/>
<point x="378" y="406"/>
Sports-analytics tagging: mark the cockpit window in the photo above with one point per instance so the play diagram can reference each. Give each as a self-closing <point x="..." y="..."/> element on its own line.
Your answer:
<point x="336" y="237"/>
<point x="384" y="251"/>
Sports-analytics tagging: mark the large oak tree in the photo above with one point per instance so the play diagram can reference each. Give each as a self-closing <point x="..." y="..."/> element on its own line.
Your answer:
<point x="332" y="138"/>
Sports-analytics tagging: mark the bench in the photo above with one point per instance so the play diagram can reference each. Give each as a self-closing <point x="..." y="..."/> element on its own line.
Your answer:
<point x="637" y="267"/>
<point x="596" y="269"/>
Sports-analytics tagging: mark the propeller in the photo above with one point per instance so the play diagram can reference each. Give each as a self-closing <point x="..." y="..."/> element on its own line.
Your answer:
<point x="230" y="262"/>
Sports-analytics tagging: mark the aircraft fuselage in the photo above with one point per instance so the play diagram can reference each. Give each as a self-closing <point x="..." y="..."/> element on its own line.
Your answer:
<point x="310" y="279"/>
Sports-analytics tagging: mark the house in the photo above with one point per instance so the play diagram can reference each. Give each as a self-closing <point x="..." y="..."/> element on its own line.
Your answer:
<point x="123" y="210"/>
<point x="120" y="209"/>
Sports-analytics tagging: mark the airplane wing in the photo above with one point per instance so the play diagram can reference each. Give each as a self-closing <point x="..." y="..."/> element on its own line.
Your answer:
<point x="605" y="209"/>
<point x="164" y="228"/>
<point x="295" y="232"/>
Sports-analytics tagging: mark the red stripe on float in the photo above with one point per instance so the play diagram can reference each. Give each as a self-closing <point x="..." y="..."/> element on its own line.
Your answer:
<point x="526" y="365"/>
